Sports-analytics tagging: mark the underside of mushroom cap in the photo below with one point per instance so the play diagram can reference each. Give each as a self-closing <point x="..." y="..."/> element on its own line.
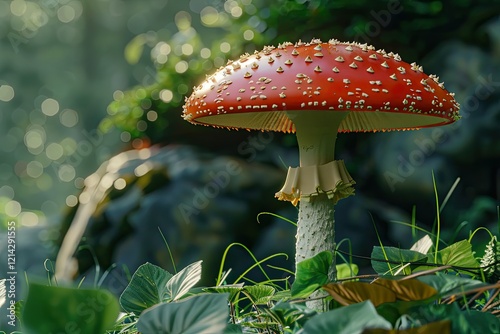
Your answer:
<point x="379" y="90"/>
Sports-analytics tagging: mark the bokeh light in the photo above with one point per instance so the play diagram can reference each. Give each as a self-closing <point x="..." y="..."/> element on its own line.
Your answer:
<point x="152" y="115"/>
<point x="18" y="7"/>
<point x="225" y="47"/>
<point x="34" y="169"/>
<point x="6" y="93"/>
<point x="248" y="35"/>
<point x="54" y="151"/>
<point x="71" y="200"/>
<point x="68" y="118"/>
<point x="28" y="218"/>
<point x="181" y="67"/>
<point x="125" y="136"/>
<point x="205" y="53"/>
<point x="12" y="208"/>
<point x="7" y="192"/>
<point x="66" y="173"/>
<point x="35" y="139"/>
<point x="209" y="16"/>
<point x="166" y="95"/>
<point x="50" y="107"/>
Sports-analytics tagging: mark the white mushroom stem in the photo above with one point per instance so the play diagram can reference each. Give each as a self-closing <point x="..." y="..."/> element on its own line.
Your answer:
<point x="316" y="135"/>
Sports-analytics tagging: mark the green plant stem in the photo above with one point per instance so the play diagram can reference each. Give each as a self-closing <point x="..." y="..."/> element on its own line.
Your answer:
<point x="438" y="219"/>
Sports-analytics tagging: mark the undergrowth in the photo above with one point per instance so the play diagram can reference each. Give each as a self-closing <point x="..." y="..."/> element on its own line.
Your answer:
<point x="436" y="286"/>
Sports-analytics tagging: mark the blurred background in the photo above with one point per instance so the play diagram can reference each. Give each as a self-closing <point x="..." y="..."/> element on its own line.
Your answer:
<point x="91" y="94"/>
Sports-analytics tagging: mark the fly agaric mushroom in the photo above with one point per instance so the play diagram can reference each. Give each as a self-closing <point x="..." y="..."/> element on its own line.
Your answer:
<point x="316" y="90"/>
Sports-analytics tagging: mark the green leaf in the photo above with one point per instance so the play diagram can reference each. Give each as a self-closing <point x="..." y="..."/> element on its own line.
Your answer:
<point x="184" y="280"/>
<point x="311" y="274"/>
<point x="458" y="254"/>
<point x="467" y="322"/>
<point x="352" y="319"/>
<point x="146" y="288"/>
<point x="51" y="309"/>
<point x="448" y="285"/>
<point x="134" y="48"/>
<point x="260" y="294"/>
<point x="483" y="322"/>
<point x="441" y="327"/>
<point x="397" y="260"/>
<point x="291" y="315"/>
<point x="281" y="296"/>
<point x="346" y="270"/>
<point x="232" y="290"/>
<point x="207" y="313"/>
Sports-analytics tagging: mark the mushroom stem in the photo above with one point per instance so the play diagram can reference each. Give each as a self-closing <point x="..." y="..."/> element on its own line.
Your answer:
<point x="316" y="230"/>
<point x="316" y="135"/>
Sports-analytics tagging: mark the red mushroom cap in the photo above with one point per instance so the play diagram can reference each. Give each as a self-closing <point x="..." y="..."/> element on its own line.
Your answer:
<point x="379" y="90"/>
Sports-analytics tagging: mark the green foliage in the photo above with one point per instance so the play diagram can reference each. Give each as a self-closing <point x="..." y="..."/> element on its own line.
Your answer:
<point x="351" y="319"/>
<point x="422" y="290"/>
<point x="146" y="288"/>
<point x="311" y="274"/>
<point x="155" y="301"/>
<point x="184" y="280"/>
<point x="151" y="285"/>
<point x="51" y="309"/>
<point x="448" y="285"/>
<point x="394" y="260"/>
<point x="346" y="270"/>
<point x="458" y="255"/>
<point x="198" y="314"/>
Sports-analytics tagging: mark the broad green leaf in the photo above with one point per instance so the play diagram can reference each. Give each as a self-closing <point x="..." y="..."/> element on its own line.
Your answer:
<point x="393" y="311"/>
<point x="441" y="327"/>
<point x="462" y="322"/>
<point x="355" y="292"/>
<point x="427" y="313"/>
<point x="448" y="285"/>
<point x="397" y="260"/>
<point x="291" y="315"/>
<point x="408" y="290"/>
<point x="352" y="319"/>
<point x="483" y="322"/>
<point x="207" y="313"/>
<point x="311" y="274"/>
<point x="51" y="309"/>
<point x="232" y="290"/>
<point x="346" y="270"/>
<point x="260" y="294"/>
<point x="184" y="280"/>
<point x="134" y="48"/>
<point x="146" y="288"/>
<point x="458" y="254"/>
<point x="282" y="296"/>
